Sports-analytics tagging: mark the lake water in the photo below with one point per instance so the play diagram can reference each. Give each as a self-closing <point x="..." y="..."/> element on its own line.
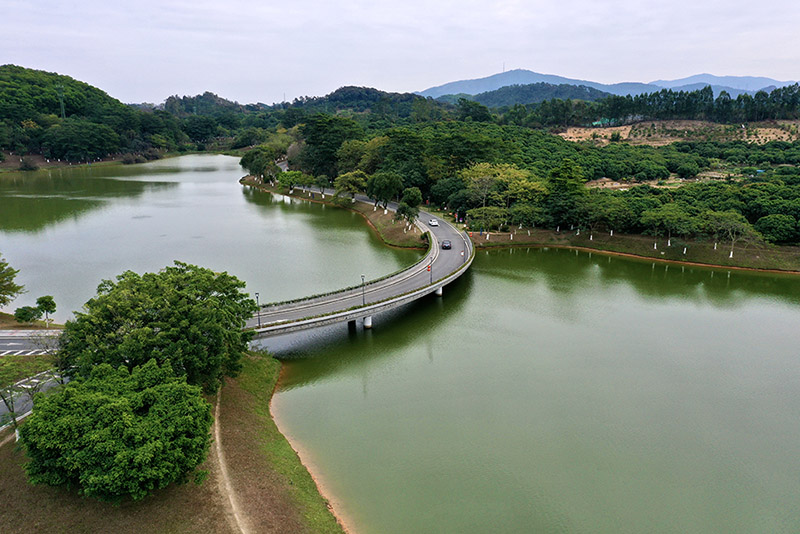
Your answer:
<point x="547" y="391"/>
<point x="555" y="391"/>
<point x="67" y="229"/>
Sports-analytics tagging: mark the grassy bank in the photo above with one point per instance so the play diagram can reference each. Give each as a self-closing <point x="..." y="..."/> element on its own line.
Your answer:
<point x="274" y="488"/>
<point x="389" y="230"/>
<point x="7" y="322"/>
<point x="763" y="257"/>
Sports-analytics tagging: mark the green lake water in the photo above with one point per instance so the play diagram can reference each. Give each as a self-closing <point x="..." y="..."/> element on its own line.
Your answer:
<point x="547" y="391"/>
<point x="555" y="391"/>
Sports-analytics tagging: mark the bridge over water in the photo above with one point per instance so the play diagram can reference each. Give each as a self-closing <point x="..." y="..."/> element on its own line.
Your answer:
<point x="429" y="275"/>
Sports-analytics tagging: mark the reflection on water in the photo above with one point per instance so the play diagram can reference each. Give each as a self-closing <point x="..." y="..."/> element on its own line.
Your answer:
<point x="33" y="201"/>
<point x="570" y="271"/>
<point x="555" y="391"/>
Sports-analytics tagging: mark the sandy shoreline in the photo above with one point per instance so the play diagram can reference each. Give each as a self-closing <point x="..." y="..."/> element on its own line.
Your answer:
<point x="336" y="507"/>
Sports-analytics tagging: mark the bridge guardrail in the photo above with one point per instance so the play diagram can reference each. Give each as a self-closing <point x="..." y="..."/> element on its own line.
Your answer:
<point x="375" y="307"/>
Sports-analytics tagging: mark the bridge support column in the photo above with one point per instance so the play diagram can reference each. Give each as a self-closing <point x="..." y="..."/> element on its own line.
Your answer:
<point x="439" y="291"/>
<point x="368" y="322"/>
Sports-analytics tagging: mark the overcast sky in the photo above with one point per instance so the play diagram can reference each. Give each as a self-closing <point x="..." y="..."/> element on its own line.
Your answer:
<point x="259" y="51"/>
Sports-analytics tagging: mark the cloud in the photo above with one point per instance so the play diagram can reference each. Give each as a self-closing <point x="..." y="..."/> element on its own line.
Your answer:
<point x="257" y="51"/>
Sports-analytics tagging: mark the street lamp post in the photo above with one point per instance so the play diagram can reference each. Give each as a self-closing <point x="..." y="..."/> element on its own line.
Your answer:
<point x="363" y="291"/>
<point x="430" y="269"/>
<point x="258" y="313"/>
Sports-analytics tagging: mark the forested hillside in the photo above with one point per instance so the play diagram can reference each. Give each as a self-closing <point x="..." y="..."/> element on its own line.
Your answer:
<point x="59" y="117"/>
<point x="533" y="93"/>
<point x="495" y="176"/>
<point x="780" y="104"/>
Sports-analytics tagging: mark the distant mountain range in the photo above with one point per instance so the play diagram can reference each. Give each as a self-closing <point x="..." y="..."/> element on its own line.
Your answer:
<point x="734" y="85"/>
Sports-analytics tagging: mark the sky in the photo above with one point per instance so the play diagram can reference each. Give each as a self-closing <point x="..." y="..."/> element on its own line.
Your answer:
<point x="267" y="51"/>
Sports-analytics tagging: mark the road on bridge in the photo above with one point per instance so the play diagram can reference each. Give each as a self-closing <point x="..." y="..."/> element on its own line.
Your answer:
<point x="442" y="262"/>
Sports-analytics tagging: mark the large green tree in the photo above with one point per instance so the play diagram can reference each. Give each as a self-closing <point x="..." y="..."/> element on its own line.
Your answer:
<point x="408" y="208"/>
<point x="729" y="225"/>
<point x="324" y="135"/>
<point x="671" y="217"/>
<point x="350" y="183"/>
<point x="8" y="289"/>
<point x="384" y="186"/>
<point x="46" y="304"/>
<point x="118" y="434"/>
<point x="565" y="192"/>
<point x="186" y="315"/>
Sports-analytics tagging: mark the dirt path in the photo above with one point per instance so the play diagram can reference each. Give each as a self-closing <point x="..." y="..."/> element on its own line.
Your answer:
<point x="7" y="439"/>
<point x="235" y="514"/>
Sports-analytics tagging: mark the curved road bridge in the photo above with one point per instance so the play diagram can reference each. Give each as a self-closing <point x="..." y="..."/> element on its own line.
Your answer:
<point x="436" y="269"/>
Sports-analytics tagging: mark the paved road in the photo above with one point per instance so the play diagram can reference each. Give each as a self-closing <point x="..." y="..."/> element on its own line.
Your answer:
<point x="442" y="263"/>
<point x="27" y="342"/>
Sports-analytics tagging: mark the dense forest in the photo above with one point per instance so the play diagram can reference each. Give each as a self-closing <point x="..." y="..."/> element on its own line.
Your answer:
<point x="781" y="103"/>
<point x="495" y="176"/>
<point x="62" y="118"/>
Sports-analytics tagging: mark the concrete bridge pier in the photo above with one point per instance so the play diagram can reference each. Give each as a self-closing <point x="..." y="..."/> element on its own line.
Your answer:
<point x="439" y="291"/>
<point x="368" y="322"/>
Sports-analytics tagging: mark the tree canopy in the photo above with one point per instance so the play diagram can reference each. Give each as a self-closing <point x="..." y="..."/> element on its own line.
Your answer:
<point x="9" y="290"/>
<point x="118" y="434"/>
<point x="184" y="315"/>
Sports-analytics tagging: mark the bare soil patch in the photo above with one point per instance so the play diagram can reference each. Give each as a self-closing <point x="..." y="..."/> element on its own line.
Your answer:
<point x="660" y="133"/>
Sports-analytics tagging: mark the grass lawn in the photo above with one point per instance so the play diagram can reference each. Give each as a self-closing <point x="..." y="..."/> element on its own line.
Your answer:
<point x="7" y="322"/>
<point x="14" y="368"/>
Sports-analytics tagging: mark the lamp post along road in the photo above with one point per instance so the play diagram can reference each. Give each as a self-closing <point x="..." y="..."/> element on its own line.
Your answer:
<point x="363" y="291"/>
<point x="258" y="305"/>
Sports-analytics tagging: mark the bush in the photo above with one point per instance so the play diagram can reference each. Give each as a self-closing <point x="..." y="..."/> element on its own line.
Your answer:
<point x="688" y="169"/>
<point x="118" y="434"/>
<point x="27" y="314"/>
<point x="27" y="164"/>
<point x="130" y="159"/>
<point x="778" y="228"/>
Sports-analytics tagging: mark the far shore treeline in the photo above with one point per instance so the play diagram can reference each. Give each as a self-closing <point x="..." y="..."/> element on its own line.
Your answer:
<point x="493" y="166"/>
